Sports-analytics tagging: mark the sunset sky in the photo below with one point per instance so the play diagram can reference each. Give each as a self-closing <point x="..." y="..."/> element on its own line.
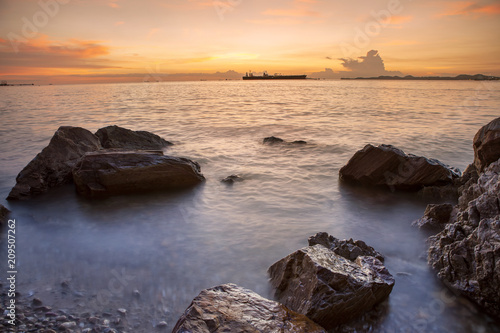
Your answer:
<point x="71" y="41"/>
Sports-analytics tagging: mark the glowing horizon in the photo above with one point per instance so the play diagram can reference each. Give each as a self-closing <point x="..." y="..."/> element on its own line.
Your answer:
<point x="71" y="41"/>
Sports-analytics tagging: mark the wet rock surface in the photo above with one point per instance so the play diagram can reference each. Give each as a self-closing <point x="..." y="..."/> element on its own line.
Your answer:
<point x="435" y="217"/>
<point x="388" y="166"/>
<point x="487" y="145"/>
<point x="122" y="138"/>
<point x="348" y="249"/>
<point x="328" y="288"/>
<point x="466" y="253"/>
<point x="230" y="308"/>
<point x="4" y="215"/>
<point x="111" y="173"/>
<point x="53" y="165"/>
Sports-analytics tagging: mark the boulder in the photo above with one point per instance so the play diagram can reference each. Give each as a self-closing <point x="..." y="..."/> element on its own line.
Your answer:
<point x="109" y="173"/>
<point x="230" y="308"/>
<point x="53" y="165"/>
<point x="4" y="215"/>
<point x="487" y="145"/>
<point x="115" y="137"/>
<point x="435" y="217"/>
<point x="348" y="249"/>
<point x="466" y="253"/>
<point x="388" y="166"/>
<point x="327" y="287"/>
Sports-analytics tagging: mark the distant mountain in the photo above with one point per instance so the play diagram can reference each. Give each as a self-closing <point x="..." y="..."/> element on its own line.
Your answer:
<point x="477" y="77"/>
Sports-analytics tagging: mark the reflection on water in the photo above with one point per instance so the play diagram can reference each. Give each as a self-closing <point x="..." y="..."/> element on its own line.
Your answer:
<point x="167" y="247"/>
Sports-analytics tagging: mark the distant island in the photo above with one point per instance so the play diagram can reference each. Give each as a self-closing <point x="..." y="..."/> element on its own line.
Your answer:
<point x="477" y="77"/>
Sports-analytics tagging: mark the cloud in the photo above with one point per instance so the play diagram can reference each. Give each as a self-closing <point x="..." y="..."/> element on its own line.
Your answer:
<point x="365" y="66"/>
<point x="397" y="20"/>
<point x="44" y="53"/>
<point x="299" y="8"/>
<point x="472" y="8"/>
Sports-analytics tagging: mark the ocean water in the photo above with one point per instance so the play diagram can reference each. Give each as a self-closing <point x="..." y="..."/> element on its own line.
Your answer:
<point x="170" y="246"/>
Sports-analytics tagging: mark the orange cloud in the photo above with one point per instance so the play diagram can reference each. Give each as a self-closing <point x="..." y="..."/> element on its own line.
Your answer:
<point x="467" y="8"/>
<point x="396" y="20"/>
<point x="42" y="53"/>
<point x="119" y="23"/>
<point x="113" y="4"/>
<point x="291" y="13"/>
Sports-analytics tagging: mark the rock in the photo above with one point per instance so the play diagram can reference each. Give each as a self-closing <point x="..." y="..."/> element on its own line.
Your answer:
<point x="36" y="302"/>
<point x="388" y="166"/>
<point x="348" y="249"/>
<point x="112" y="173"/>
<point x="231" y="179"/>
<point x="487" y="145"/>
<point x="435" y="217"/>
<point x="328" y="288"/>
<point x="122" y="311"/>
<point x="270" y="140"/>
<point x="122" y="138"/>
<point x="162" y="324"/>
<point x="116" y="137"/>
<point x="230" y="308"/>
<point x="4" y="215"/>
<point x="466" y="254"/>
<point x="52" y="167"/>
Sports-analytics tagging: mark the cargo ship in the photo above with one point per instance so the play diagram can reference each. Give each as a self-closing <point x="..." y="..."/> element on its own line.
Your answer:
<point x="265" y="76"/>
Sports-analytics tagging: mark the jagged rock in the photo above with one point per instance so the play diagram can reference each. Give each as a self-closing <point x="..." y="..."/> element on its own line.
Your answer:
<point x="299" y="142"/>
<point x="466" y="253"/>
<point x="230" y="308"/>
<point x="388" y="166"/>
<point x="53" y="165"/>
<point x="348" y="249"/>
<point x="4" y="215"/>
<point x="272" y="140"/>
<point x="231" y="179"/>
<point x="435" y="216"/>
<point x="111" y="173"/>
<point x="328" y="288"/>
<point x="123" y="138"/>
<point x="487" y="145"/>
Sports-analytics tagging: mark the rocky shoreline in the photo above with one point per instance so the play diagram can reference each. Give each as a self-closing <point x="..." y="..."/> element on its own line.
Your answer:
<point x="328" y="285"/>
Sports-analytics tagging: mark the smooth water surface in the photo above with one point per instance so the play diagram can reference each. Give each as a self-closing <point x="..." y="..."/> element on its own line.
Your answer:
<point x="170" y="246"/>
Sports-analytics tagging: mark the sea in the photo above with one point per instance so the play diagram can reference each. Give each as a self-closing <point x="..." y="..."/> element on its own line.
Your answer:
<point x="151" y="254"/>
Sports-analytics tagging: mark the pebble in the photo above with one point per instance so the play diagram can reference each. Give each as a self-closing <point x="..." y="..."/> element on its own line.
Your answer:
<point x="162" y="324"/>
<point x="37" y="302"/>
<point x="122" y="311"/>
<point x="68" y="325"/>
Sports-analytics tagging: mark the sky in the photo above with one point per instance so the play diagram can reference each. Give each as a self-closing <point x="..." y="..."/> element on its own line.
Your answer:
<point x="84" y="41"/>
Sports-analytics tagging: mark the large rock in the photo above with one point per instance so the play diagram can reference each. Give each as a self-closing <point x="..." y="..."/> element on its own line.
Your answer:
<point x="122" y="138"/>
<point x="327" y="287"/>
<point x="108" y="173"/>
<point x="230" y="308"/>
<point x="388" y="166"/>
<point x="466" y="253"/>
<point x="487" y="145"/>
<point x="53" y="165"/>
<point x="435" y="217"/>
<point x="348" y="249"/>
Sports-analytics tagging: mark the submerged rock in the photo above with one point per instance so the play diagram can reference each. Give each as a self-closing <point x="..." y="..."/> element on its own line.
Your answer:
<point x="389" y="166"/>
<point x="123" y="138"/>
<point x="348" y="249"/>
<point x="327" y="287"/>
<point x="113" y="173"/>
<point x="270" y="140"/>
<point x="231" y="179"/>
<point x="487" y="145"/>
<point x="230" y="308"/>
<point x="466" y="253"/>
<point x="435" y="216"/>
<point x="52" y="167"/>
